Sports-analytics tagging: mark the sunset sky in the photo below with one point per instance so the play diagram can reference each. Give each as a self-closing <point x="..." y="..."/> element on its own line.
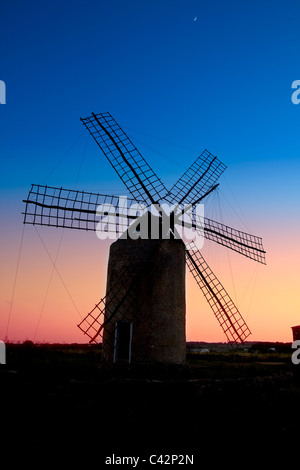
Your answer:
<point x="179" y="76"/>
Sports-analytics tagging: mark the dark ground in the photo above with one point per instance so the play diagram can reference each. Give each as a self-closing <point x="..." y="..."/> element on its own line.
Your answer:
<point x="59" y="402"/>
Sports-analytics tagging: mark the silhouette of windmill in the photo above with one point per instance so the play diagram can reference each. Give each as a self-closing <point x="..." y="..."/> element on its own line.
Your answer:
<point x="145" y="281"/>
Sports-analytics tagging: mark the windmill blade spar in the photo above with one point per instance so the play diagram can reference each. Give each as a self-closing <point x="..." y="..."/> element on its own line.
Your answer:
<point x="130" y="165"/>
<point x="226" y="312"/>
<point x="244" y="243"/>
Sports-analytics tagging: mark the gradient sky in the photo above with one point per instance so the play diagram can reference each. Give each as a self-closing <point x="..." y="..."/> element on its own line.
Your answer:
<point x="176" y="85"/>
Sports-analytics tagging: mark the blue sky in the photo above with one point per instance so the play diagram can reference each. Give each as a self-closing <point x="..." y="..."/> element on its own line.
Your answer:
<point x="176" y="85"/>
<point x="221" y="82"/>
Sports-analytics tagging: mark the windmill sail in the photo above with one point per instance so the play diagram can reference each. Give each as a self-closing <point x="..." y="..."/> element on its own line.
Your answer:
<point x="68" y="208"/>
<point x="130" y="165"/>
<point x="244" y="243"/>
<point x="226" y="312"/>
<point x="198" y="181"/>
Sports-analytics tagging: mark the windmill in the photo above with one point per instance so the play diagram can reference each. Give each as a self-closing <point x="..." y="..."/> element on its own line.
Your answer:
<point x="142" y="316"/>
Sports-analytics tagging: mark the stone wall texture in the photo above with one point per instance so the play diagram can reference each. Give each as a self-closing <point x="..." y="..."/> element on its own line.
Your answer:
<point x="154" y="299"/>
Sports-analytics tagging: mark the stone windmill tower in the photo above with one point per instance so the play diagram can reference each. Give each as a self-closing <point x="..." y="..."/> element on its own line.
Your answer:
<point x="142" y="316"/>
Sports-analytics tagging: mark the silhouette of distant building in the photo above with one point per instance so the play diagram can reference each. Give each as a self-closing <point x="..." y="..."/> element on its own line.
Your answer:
<point x="296" y="332"/>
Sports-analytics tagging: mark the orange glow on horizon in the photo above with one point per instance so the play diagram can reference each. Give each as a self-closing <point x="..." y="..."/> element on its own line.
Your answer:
<point x="266" y="296"/>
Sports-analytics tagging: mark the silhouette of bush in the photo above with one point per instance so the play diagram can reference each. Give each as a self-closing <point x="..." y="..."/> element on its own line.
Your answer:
<point x="28" y="344"/>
